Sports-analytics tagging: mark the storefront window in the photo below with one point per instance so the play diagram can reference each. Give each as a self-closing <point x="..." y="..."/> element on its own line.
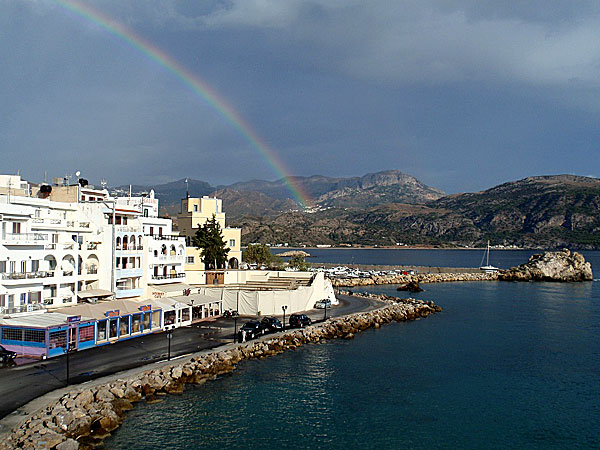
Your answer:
<point x="155" y="319"/>
<point x="185" y="314"/>
<point x="58" y="339"/>
<point x="125" y="325"/>
<point x="169" y="317"/>
<point x="146" y="321"/>
<point x="86" y="333"/>
<point x="101" y="330"/>
<point x="114" y="327"/>
<point x="136" y="322"/>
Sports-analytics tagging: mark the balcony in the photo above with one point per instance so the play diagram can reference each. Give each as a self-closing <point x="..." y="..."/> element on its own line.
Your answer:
<point x="165" y="237"/>
<point x="125" y="292"/>
<point x="21" y="308"/>
<point x="24" y="239"/>
<point x="129" y="272"/>
<point x="171" y="276"/>
<point x="26" y="275"/>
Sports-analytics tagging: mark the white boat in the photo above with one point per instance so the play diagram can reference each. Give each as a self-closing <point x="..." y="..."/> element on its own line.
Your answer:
<point x="486" y="256"/>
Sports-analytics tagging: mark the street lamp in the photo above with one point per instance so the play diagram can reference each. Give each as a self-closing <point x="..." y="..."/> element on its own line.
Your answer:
<point x="169" y="337"/>
<point x="70" y="348"/>
<point x="235" y="328"/>
<point x="284" y="307"/>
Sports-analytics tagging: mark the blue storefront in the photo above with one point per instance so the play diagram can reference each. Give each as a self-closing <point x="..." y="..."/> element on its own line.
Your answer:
<point x="47" y="334"/>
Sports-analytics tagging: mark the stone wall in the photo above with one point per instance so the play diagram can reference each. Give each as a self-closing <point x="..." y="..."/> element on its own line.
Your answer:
<point x="419" y="278"/>
<point x="82" y="418"/>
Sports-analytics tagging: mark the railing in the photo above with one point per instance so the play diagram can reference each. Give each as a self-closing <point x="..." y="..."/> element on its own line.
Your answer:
<point x="21" y="308"/>
<point x="23" y="237"/>
<point x="84" y="224"/>
<point x="67" y="273"/>
<point x="165" y="237"/>
<point x="129" y="248"/>
<point x="26" y="275"/>
<point x="126" y="229"/>
<point x="92" y="271"/>
<point x="92" y="246"/>
<point x="46" y="221"/>
<point x="170" y="257"/>
<point x="168" y="277"/>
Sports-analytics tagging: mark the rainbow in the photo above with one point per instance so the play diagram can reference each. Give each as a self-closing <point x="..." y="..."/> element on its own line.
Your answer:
<point x="197" y="85"/>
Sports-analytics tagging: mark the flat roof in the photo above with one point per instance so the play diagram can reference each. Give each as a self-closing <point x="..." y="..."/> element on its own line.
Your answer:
<point x="43" y="320"/>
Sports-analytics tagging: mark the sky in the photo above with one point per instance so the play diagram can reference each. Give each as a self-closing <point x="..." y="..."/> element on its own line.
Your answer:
<point x="462" y="94"/>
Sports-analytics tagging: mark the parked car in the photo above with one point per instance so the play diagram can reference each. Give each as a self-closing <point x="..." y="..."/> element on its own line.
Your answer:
<point x="299" y="320"/>
<point x="271" y="324"/>
<point x="7" y="355"/>
<point x="253" y="329"/>
<point x="325" y="303"/>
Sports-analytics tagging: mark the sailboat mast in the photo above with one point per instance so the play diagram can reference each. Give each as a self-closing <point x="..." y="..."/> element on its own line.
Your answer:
<point x="487" y="263"/>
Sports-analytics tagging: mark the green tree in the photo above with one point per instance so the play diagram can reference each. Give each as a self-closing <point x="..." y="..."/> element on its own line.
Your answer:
<point x="209" y="239"/>
<point x="257" y="253"/>
<point x="298" y="262"/>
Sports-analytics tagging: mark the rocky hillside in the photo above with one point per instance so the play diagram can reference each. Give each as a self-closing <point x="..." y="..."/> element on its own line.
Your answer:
<point x="259" y="198"/>
<point x="537" y="212"/>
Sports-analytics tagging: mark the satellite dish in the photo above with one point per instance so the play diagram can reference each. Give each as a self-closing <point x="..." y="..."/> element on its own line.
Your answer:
<point x="77" y="173"/>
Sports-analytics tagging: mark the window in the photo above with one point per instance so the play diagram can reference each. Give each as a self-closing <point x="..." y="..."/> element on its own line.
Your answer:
<point x="2" y="266"/>
<point x="155" y="319"/>
<point x="58" y="339"/>
<point x="16" y="227"/>
<point x="23" y="266"/>
<point x="34" y="335"/>
<point x="23" y="298"/>
<point x="12" y="334"/>
<point x="101" y="335"/>
<point x="190" y="260"/>
<point x="135" y="323"/>
<point x="35" y="297"/>
<point x="35" y="265"/>
<point x="124" y="326"/>
<point x="195" y="208"/>
<point x="2" y="300"/>
<point x="86" y="333"/>
<point x="232" y="242"/>
<point x="151" y="231"/>
<point x="146" y="321"/>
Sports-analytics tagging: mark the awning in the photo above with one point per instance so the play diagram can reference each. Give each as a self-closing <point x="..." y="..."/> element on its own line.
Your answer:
<point x="173" y="287"/>
<point x="195" y="299"/>
<point x="94" y="293"/>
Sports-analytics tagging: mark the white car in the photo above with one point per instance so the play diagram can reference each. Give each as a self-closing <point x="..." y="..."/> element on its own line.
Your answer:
<point x="322" y="304"/>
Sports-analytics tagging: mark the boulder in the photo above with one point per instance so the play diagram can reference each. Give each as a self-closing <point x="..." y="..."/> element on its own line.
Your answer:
<point x="69" y="444"/>
<point x="562" y="265"/>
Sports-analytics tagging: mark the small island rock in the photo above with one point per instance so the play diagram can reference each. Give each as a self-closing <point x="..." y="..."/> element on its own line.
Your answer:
<point x="562" y="265"/>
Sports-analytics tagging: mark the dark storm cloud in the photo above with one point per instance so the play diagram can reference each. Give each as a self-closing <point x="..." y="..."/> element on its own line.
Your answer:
<point x="462" y="94"/>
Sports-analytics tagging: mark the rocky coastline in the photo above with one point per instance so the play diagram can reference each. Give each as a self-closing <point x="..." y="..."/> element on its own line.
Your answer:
<point x="82" y="418"/>
<point x="562" y="266"/>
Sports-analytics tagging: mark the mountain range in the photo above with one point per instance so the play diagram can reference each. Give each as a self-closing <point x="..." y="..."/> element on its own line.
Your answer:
<point x="389" y="208"/>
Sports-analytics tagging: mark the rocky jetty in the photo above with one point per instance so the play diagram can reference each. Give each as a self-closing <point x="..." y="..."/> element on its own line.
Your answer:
<point x="417" y="278"/>
<point x="82" y="418"/>
<point x="562" y="265"/>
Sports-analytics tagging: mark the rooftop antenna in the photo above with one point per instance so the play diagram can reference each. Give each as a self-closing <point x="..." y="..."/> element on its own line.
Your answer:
<point x="187" y="189"/>
<point x="103" y="183"/>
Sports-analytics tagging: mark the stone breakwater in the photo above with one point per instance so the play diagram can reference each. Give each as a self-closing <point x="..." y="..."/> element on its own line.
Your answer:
<point x="418" y="278"/>
<point x="82" y="418"/>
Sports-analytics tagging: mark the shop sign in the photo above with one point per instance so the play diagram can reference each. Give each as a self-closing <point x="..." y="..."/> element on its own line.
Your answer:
<point x="114" y="313"/>
<point x="146" y="308"/>
<point x="72" y="319"/>
<point x="158" y="294"/>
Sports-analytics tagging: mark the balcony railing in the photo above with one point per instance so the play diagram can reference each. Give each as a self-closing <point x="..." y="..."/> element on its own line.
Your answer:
<point x="26" y="275"/>
<point x="165" y="237"/>
<point x="25" y="238"/>
<point x="168" y="277"/>
<point x="92" y="246"/>
<point x="21" y="308"/>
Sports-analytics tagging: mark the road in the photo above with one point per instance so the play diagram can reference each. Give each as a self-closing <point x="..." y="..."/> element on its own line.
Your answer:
<point x="23" y="383"/>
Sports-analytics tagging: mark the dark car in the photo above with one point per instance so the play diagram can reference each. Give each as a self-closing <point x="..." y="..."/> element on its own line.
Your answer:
<point x="6" y="355"/>
<point x="299" y="320"/>
<point x="253" y="329"/>
<point x="271" y="324"/>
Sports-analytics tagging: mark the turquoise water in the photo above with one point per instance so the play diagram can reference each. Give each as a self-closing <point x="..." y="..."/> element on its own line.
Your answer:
<point x="505" y="365"/>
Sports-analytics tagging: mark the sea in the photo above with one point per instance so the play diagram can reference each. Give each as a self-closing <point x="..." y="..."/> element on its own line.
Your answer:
<point x="504" y="365"/>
